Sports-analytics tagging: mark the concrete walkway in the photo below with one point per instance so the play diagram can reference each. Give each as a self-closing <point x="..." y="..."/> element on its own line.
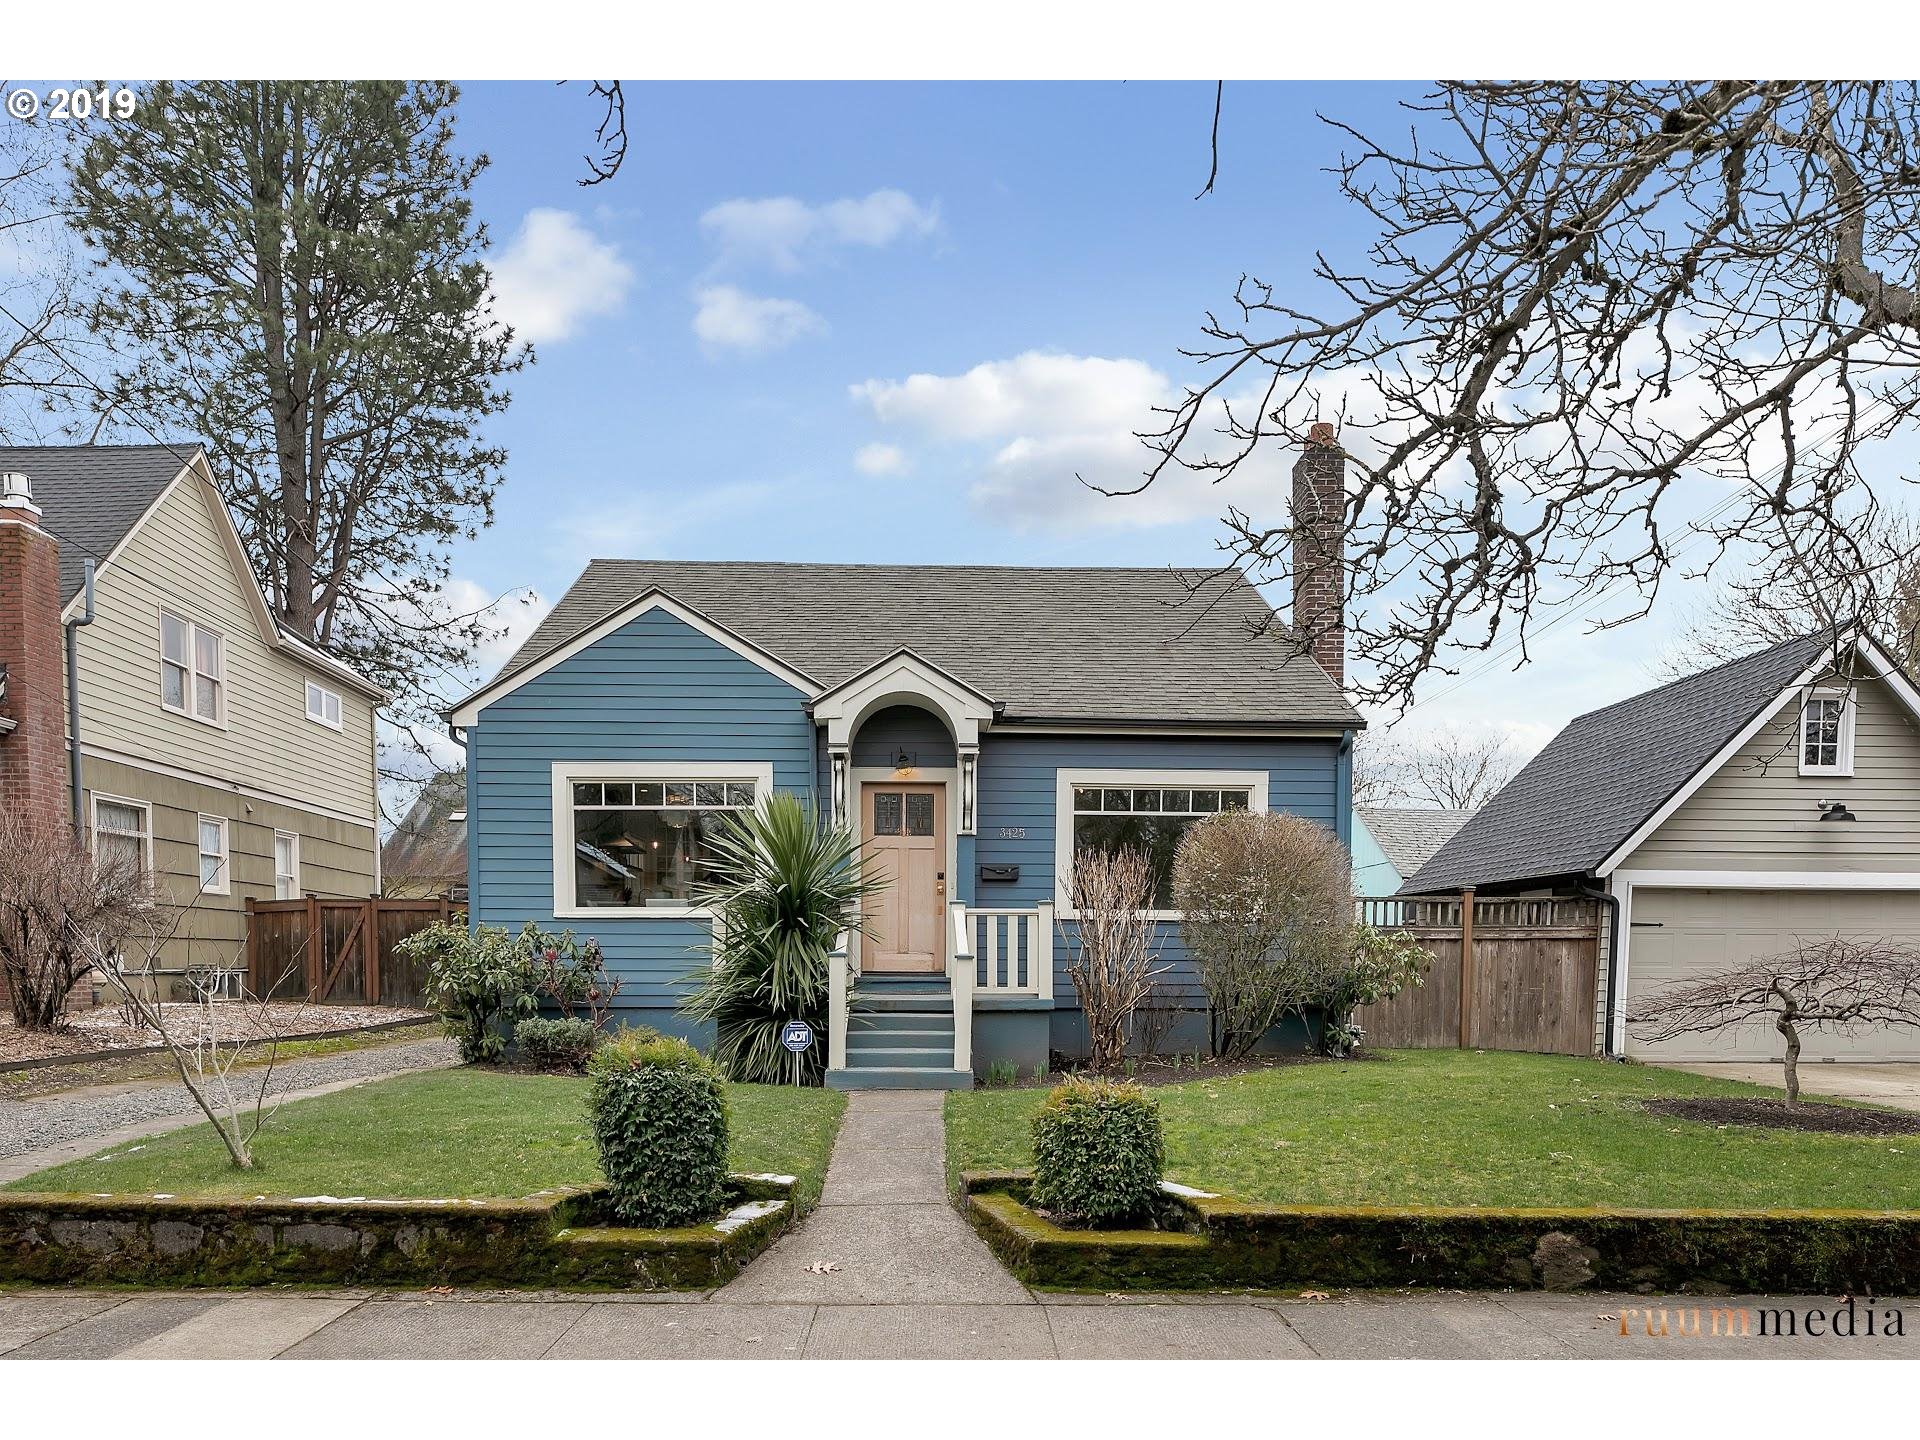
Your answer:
<point x="884" y="1269"/>
<point x="1895" y="1084"/>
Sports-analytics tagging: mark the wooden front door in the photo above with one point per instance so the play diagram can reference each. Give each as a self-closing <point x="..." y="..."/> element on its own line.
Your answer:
<point x="905" y="827"/>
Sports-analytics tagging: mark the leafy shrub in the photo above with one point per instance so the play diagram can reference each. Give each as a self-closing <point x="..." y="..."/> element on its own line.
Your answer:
<point x="660" y="1121"/>
<point x="1377" y="966"/>
<point x="570" y="974"/>
<point x="474" y="978"/>
<point x="782" y="886"/>
<point x="1267" y="910"/>
<point x="564" y="1044"/>
<point x="1097" y="1153"/>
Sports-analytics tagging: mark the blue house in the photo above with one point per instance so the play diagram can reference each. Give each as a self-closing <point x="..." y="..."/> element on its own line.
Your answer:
<point x="978" y="725"/>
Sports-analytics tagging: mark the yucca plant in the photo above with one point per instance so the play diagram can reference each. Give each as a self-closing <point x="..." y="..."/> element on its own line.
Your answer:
<point x="782" y="885"/>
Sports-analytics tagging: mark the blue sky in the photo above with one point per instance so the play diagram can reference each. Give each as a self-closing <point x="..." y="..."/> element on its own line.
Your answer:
<point x="726" y="331"/>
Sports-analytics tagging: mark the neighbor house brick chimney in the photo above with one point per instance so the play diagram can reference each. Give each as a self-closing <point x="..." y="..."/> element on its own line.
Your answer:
<point x="1320" y="549"/>
<point x="33" y="758"/>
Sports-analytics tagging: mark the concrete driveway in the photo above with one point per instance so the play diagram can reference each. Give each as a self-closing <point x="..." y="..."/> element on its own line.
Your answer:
<point x="1896" y="1085"/>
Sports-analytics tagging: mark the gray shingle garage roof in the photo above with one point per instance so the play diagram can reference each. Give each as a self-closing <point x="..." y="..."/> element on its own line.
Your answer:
<point x="1599" y="779"/>
<point x="1410" y="838"/>
<point x="1046" y="643"/>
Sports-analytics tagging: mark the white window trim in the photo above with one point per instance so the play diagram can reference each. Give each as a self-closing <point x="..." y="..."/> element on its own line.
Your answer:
<point x="1255" y="782"/>
<point x="565" y="772"/>
<point x="146" y="809"/>
<point x="224" y="884"/>
<point x="294" y="850"/>
<point x="315" y="687"/>
<point x="1849" y="707"/>
<point x="194" y="630"/>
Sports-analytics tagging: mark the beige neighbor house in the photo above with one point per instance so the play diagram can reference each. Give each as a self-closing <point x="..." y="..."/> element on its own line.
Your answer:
<point x="236" y="759"/>
<point x="1726" y="816"/>
<point x="426" y="854"/>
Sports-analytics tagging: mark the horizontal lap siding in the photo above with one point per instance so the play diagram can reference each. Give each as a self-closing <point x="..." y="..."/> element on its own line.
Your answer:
<point x="654" y="690"/>
<point x="1017" y="789"/>
<point x="1758" y="812"/>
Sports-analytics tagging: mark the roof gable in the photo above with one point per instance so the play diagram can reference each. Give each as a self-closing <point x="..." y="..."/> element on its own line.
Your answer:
<point x="1124" y="645"/>
<point x="1611" y="771"/>
<point x="1410" y="838"/>
<point x="92" y="496"/>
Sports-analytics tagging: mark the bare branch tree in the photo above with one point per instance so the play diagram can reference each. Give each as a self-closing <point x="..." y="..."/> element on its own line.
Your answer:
<point x="60" y="907"/>
<point x="39" y="305"/>
<point x="1582" y="297"/>
<point x="1833" y="984"/>
<point x="611" y="134"/>
<point x="1449" y="769"/>
<point x="1112" y="948"/>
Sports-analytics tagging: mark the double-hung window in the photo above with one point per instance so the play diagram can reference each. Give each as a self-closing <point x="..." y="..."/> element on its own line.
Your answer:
<point x="193" y="675"/>
<point x="1147" y="810"/>
<point x="323" y="705"/>
<point x="122" y="833"/>
<point x="641" y="837"/>
<point x="1826" y="733"/>
<point x="213" y="855"/>
<point x="286" y="865"/>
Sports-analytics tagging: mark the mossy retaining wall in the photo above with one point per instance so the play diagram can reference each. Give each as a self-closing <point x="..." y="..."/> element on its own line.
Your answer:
<point x="1212" y="1242"/>
<point x="548" y="1240"/>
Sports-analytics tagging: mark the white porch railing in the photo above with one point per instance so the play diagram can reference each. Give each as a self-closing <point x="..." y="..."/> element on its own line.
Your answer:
<point x="996" y="952"/>
<point x="837" y="1004"/>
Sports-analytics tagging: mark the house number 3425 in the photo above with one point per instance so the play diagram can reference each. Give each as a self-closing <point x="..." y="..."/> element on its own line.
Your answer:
<point x="1013" y="832"/>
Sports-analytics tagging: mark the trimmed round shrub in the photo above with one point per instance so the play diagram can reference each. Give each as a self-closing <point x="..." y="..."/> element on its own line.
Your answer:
<point x="1097" y="1153"/>
<point x="659" y="1117"/>
<point x="564" y="1044"/>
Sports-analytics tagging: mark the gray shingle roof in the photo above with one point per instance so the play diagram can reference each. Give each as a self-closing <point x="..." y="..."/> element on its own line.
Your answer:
<point x="429" y="844"/>
<point x="1599" y="779"/>
<point x="1051" y="643"/>
<point x="91" y="495"/>
<point x="1410" y="837"/>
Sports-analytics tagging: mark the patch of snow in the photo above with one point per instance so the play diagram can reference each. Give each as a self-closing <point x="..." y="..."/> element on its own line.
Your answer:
<point x="1173" y="1187"/>
<point x="771" y="1179"/>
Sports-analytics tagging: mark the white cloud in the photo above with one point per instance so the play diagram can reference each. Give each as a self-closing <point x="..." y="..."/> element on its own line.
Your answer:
<point x="644" y="522"/>
<point x="784" y="232"/>
<point x="728" y="318"/>
<point x="556" y="273"/>
<point x="1048" y="427"/>
<point x="878" y="459"/>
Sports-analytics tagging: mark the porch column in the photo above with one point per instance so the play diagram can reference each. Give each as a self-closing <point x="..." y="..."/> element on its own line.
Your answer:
<point x="969" y="778"/>
<point x="837" y="782"/>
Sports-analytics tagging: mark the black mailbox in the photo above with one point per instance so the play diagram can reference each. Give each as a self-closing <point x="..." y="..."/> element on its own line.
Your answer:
<point x="999" y="874"/>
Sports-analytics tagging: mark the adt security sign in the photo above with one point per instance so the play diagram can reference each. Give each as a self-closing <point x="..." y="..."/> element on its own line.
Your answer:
<point x="797" y="1036"/>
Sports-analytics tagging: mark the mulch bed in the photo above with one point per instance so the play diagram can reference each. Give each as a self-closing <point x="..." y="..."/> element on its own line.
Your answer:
<point x="1778" y="1115"/>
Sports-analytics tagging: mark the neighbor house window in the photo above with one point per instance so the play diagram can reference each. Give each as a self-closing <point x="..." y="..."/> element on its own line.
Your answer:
<point x="323" y="705"/>
<point x="192" y="669"/>
<point x="122" y="833"/>
<point x="1826" y="734"/>
<point x="286" y="865"/>
<point x="643" y="839"/>
<point x="213" y="855"/>
<point x="1144" y="810"/>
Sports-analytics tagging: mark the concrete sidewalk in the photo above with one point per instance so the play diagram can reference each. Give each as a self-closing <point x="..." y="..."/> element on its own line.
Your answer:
<point x="1895" y="1084"/>
<point x="886" y="1268"/>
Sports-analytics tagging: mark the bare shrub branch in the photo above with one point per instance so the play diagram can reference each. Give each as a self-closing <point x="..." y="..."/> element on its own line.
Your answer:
<point x="1110" y="951"/>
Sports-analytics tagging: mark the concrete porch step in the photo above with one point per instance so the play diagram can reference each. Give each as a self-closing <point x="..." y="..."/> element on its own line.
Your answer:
<point x="920" y="1002"/>
<point x="905" y="1078"/>
<point x="901" y="1057"/>
<point x="893" y="1036"/>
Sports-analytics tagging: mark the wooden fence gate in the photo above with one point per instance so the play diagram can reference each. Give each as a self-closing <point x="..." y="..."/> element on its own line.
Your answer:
<point x="338" y="952"/>
<point x="1506" y="975"/>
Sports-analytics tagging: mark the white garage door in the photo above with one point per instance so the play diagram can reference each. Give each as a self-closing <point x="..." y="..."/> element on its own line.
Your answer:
<point x="1680" y="933"/>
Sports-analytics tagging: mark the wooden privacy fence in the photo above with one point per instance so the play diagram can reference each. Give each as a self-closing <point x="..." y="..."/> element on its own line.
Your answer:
<point x="1506" y="975"/>
<point x="338" y="952"/>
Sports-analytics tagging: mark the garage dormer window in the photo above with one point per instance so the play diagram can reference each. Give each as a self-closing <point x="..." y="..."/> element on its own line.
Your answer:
<point x="1826" y="733"/>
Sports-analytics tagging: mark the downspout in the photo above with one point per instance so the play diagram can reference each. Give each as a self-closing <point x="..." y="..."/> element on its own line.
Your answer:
<point x="1343" y="783"/>
<point x="1608" y="1044"/>
<point x="73" y="704"/>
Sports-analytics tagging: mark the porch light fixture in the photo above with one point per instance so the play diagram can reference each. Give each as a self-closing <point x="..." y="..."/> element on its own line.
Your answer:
<point x="904" y="763"/>
<point x="1836" y="810"/>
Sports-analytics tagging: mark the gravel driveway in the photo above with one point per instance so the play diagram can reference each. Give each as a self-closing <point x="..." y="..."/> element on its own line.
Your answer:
<point x="60" y="1119"/>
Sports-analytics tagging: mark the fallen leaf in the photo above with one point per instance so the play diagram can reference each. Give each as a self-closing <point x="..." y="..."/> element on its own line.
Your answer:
<point x="822" y="1267"/>
<point x="1315" y="1295"/>
<point x="440" y="1289"/>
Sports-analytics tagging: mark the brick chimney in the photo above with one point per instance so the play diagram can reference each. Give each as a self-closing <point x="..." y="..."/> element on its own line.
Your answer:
<point x="1320" y="549"/>
<point x="33" y="757"/>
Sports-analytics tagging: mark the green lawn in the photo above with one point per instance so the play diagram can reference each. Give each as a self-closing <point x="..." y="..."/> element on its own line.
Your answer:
<point x="446" y="1133"/>
<point x="1449" y="1127"/>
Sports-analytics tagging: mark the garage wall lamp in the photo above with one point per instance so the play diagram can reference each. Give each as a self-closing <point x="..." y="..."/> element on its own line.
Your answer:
<point x="1836" y="810"/>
